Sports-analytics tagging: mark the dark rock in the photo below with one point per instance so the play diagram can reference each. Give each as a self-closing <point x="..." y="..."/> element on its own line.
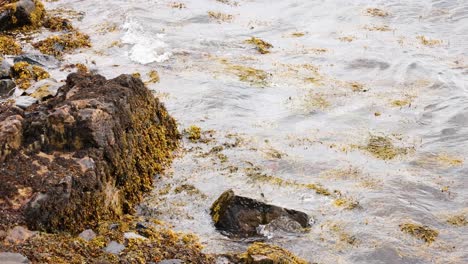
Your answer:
<point x="6" y="87"/>
<point x="239" y="216"/>
<point x="12" y="258"/>
<point x="21" y="13"/>
<point x="87" y="155"/>
<point x="42" y="60"/>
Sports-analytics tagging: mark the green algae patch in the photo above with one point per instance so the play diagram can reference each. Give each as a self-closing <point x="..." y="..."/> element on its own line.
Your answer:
<point x="193" y="133"/>
<point x="159" y="243"/>
<point x="24" y="74"/>
<point x="421" y="232"/>
<point x="383" y="148"/>
<point x="9" y="46"/>
<point x="262" y="46"/>
<point x="262" y="253"/>
<point x="58" y="45"/>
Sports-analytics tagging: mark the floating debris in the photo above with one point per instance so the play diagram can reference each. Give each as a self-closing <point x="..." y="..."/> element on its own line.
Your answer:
<point x="250" y="75"/>
<point x="262" y="46"/>
<point x="178" y="5"/>
<point x="193" y="133"/>
<point x="401" y="102"/>
<point x="153" y="77"/>
<point x="382" y="148"/>
<point x="429" y="42"/>
<point x="347" y="38"/>
<point x="220" y="17"/>
<point x="346" y="203"/>
<point x="376" y="12"/>
<point x="382" y="28"/>
<point x="458" y="220"/>
<point x="298" y="34"/>
<point x="422" y="232"/>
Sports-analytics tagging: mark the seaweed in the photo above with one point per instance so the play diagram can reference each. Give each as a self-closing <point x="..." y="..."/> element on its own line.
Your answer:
<point x="220" y="17"/>
<point x="262" y="46"/>
<point x="422" y="232"/>
<point x="376" y="12"/>
<point x="58" y="45"/>
<point x="9" y="46"/>
<point x="382" y="148"/>
<point x="24" y="74"/>
<point x="193" y="133"/>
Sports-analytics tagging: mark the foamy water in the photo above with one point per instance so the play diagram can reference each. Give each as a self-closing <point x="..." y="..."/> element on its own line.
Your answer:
<point x="335" y="78"/>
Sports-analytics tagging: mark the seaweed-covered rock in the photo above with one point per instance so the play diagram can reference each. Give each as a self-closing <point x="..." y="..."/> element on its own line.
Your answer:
<point x="262" y="253"/>
<point x="45" y="61"/>
<point x="239" y="216"/>
<point x="14" y="14"/>
<point x="86" y="155"/>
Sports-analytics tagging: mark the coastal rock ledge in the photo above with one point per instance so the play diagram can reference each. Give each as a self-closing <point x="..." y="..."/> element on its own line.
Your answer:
<point x="84" y="156"/>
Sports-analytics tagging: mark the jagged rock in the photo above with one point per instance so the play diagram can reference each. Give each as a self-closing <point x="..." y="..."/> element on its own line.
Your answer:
<point x="21" y="13"/>
<point x="262" y="253"/>
<point x="239" y="216"/>
<point x="45" y="61"/>
<point x="6" y="87"/>
<point x="13" y="258"/>
<point x="18" y="235"/>
<point x="86" y="155"/>
<point x="87" y="235"/>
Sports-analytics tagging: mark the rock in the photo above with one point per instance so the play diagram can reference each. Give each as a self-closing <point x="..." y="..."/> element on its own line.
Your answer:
<point x="171" y="261"/>
<point x="43" y="89"/>
<point x="42" y="60"/>
<point x="23" y="12"/>
<point x="5" y="69"/>
<point x="239" y="216"/>
<point x="18" y="235"/>
<point x="262" y="253"/>
<point x="13" y="258"/>
<point x="87" y="154"/>
<point x="6" y="87"/>
<point x="114" y="247"/>
<point x="132" y="235"/>
<point x="87" y="235"/>
<point x="25" y="101"/>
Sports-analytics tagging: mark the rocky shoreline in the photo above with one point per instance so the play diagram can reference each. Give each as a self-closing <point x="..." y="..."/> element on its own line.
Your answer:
<point x="77" y="157"/>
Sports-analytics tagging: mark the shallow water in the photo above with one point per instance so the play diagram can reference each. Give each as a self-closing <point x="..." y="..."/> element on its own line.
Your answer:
<point x="347" y="79"/>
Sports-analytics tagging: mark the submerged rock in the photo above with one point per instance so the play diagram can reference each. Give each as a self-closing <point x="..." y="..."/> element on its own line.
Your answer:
<point x="87" y="154"/>
<point x="239" y="216"/>
<point x="262" y="253"/>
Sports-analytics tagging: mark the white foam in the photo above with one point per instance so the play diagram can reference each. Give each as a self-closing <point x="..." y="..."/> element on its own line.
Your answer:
<point x="147" y="46"/>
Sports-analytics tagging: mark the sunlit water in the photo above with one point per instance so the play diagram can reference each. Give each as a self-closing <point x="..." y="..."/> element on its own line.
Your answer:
<point x="336" y="77"/>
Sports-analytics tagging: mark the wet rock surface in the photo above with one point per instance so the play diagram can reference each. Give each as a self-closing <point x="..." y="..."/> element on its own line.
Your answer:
<point x="42" y="60"/>
<point x="14" y="14"/>
<point x="238" y="216"/>
<point x="88" y="154"/>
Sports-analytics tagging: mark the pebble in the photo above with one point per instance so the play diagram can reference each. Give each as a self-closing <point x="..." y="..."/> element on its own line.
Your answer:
<point x="13" y="258"/>
<point x="114" y="247"/>
<point x="87" y="235"/>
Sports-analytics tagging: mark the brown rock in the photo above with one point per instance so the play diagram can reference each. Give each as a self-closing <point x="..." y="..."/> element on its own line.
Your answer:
<point x="87" y="154"/>
<point x="239" y="216"/>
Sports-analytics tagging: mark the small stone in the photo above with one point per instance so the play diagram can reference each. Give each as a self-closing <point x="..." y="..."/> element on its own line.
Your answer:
<point x="25" y="101"/>
<point x="114" y="247"/>
<point x="6" y="87"/>
<point x="5" y="69"/>
<point x="132" y="235"/>
<point x="18" y="234"/>
<point x="87" y="235"/>
<point x="171" y="261"/>
<point x="43" y="89"/>
<point x="13" y="258"/>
